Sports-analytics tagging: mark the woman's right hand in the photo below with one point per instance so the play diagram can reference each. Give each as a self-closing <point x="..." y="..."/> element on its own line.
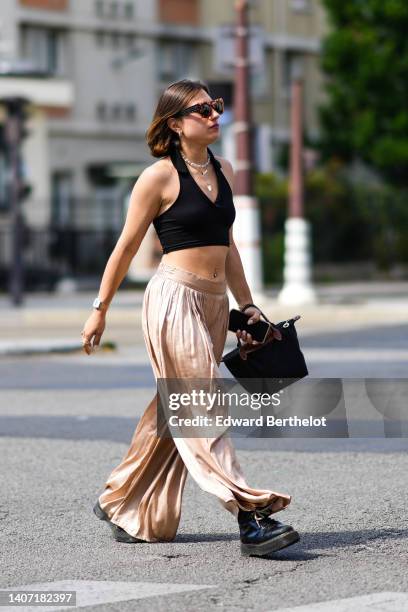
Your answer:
<point x="93" y="330"/>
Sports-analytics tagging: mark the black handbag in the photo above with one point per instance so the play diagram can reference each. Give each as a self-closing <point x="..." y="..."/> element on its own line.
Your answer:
<point x="279" y="363"/>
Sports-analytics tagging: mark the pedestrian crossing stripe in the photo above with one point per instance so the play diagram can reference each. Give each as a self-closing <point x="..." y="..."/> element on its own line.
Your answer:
<point x="97" y="592"/>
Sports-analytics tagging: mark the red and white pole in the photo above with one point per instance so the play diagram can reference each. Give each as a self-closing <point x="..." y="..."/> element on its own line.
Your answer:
<point x="297" y="270"/>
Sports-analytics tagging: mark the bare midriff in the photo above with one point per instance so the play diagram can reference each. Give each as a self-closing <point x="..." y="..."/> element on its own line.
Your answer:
<point x="207" y="261"/>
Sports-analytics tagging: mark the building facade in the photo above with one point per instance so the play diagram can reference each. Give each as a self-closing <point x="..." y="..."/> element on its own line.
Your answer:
<point x="107" y="62"/>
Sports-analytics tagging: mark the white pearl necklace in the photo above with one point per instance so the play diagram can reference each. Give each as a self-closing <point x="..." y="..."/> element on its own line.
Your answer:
<point x="200" y="168"/>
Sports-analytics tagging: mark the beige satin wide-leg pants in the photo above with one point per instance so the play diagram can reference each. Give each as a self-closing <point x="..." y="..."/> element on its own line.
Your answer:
<point x="184" y="320"/>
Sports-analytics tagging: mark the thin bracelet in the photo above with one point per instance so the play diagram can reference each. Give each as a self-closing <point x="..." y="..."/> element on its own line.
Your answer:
<point x="247" y="305"/>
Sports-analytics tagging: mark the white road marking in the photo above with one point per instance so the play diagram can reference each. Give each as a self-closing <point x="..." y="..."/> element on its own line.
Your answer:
<point x="96" y="592"/>
<point x="374" y="602"/>
<point x="346" y="354"/>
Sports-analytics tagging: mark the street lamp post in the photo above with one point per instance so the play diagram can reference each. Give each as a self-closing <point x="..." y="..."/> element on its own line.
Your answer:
<point x="297" y="271"/>
<point x="247" y="231"/>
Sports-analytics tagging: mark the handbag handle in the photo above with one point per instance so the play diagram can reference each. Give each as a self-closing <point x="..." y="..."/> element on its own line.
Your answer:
<point x="295" y="318"/>
<point x="274" y="332"/>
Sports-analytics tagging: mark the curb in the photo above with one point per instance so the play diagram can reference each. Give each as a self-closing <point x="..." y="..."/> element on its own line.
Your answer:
<point x="36" y="347"/>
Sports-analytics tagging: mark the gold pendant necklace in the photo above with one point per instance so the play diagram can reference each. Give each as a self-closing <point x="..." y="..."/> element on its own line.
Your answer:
<point x="209" y="186"/>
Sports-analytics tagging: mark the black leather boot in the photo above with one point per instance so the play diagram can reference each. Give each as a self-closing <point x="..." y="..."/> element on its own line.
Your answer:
<point x="119" y="534"/>
<point x="261" y="535"/>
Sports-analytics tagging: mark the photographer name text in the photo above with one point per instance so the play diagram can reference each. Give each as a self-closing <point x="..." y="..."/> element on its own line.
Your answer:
<point x="260" y="421"/>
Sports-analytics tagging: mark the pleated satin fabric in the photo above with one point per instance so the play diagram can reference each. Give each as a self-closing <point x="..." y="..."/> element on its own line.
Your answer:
<point x="185" y="325"/>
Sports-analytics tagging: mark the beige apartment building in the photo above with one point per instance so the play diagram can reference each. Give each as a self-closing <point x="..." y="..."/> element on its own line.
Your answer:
<point x="107" y="62"/>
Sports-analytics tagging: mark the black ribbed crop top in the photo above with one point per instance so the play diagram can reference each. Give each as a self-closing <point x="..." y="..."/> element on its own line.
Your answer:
<point x="193" y="219"/>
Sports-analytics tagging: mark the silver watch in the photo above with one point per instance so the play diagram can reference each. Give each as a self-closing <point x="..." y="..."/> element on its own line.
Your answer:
<point x="97" y="303"/>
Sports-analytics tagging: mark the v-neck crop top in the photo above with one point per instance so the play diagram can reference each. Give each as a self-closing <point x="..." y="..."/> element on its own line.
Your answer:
<point x="193" y="219"/>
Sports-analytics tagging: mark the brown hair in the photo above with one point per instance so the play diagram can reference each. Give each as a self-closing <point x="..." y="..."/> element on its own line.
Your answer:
<point x="160" y="138"/>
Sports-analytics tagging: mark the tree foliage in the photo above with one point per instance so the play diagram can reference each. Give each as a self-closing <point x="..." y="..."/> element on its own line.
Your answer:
<point x="365" y="60"/>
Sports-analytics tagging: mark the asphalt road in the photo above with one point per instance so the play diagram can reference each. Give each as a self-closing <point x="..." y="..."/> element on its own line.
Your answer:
<point x="66" y="422"/>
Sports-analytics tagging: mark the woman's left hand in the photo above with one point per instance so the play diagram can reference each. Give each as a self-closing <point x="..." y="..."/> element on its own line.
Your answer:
<point x="255" y="315"/>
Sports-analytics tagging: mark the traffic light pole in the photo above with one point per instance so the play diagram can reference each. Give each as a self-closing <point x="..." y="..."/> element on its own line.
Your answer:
<point x="13" y="134"/>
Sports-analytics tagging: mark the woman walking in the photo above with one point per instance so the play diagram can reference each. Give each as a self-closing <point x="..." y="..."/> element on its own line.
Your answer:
<point x="187" y="195"/>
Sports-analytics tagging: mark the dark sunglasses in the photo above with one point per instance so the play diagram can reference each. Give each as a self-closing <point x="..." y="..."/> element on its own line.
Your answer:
<point x="205" y="108"/>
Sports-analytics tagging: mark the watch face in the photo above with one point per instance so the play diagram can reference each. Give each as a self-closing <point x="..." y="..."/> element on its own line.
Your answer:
<point x="97" y="303"/>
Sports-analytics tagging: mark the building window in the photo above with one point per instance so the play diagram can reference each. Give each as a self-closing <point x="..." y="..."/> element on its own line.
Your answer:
<point x="259" y="83"/>
<point x="62" y="200"/>
<point x="176" y="60"/>
<point x="129" y="10"/>
<point x="101" y="110"/>
<point x="116" y="111"/>
<point x="100" y="37"/>
<point x="301" y="6"/>
<point x="292" y="67"/>
<point x="44" y="48"/>
<point x="99" y="8"/>
<point x="114" y="9"/>
<point x="4" y="200"/>
<point x="130" y="40"/>
<point x="115" y="38"/>
<point x="131" y="112"/>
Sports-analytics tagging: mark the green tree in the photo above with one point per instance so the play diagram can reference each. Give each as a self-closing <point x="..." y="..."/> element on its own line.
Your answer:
<point x="365" y="60"/>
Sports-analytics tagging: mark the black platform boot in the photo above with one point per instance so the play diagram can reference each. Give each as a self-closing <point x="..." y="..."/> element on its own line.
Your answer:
<point x="119" y="534"/>
<point x="261" y="535"/>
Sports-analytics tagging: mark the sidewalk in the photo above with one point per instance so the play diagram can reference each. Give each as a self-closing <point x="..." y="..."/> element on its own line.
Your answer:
<point x="49" y="322"/>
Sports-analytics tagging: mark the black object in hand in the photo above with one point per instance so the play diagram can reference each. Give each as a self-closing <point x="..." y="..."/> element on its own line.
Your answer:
<point x="239" y="320"/>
